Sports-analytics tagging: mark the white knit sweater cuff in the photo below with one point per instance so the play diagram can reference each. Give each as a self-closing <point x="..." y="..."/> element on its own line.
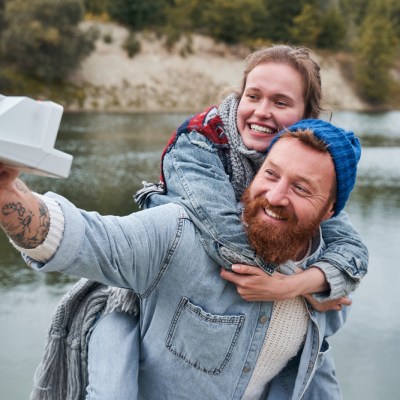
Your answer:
<point x="45" y="251"/>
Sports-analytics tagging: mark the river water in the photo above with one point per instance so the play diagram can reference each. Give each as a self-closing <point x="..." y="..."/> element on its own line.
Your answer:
<point x="114" y="153"/>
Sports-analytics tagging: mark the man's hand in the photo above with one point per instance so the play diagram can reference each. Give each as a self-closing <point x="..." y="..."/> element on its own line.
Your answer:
<point x="7" y="177"/>
<point x="253" y="284"/>
<point x="23" y="216"/>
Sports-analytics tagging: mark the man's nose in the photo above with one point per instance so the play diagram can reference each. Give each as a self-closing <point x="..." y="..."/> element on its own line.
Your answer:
<point x="277" y="195"/>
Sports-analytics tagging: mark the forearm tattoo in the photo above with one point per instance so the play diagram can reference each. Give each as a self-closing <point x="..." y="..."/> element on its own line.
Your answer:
<point x="21" y="230"/>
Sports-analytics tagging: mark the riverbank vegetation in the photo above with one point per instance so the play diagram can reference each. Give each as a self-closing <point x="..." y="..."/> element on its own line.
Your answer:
<point x="42" y="44"/>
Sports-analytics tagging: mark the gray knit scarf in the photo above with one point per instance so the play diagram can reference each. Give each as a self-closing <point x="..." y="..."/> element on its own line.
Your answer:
<point x="245" y="162"/>
<point x="62" y="373"/>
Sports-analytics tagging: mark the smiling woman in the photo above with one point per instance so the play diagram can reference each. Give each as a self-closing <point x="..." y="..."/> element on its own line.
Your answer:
<point x="272" y="100"/>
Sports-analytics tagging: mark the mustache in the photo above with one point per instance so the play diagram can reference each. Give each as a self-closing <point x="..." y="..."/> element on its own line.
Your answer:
<point x="280" y="211"/>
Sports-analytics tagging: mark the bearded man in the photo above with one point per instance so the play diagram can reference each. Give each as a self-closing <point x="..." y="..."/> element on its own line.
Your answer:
<point x="200" y="339"/>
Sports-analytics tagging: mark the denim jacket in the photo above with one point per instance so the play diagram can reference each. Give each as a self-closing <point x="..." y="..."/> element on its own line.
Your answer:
<point x="196" y="177"/>
<point x="199" y="338"/>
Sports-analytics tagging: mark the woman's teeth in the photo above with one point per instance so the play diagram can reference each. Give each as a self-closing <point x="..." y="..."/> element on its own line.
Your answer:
<point x="262" y="129"/>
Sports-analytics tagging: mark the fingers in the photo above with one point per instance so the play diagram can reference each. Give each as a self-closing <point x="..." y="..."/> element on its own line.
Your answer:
<point x="345" y="301"/>
<point x="7" y="174"/>
<point x="233" y="277"/>
<point x="238" y="272"/>
<point x="228" y="276"/>
<point x="245" y="269"/>
<point x="330" y="305"/>
<point x="341" y="302"/>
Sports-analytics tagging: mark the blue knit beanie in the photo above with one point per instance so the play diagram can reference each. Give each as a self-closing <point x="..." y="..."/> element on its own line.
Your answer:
<point x="345" y="150"/>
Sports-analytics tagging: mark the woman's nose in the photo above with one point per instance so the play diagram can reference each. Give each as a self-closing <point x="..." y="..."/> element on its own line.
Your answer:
<point x="263" y="110"/>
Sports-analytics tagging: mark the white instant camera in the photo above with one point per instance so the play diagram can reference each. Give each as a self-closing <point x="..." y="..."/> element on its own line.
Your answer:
<point x="28" y="131"/>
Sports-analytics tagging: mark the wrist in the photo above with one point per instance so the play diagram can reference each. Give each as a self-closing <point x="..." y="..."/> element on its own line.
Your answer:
<point x="290" y="287"/>
<point x="297" y="285"/>
<point x="310" y="281"/>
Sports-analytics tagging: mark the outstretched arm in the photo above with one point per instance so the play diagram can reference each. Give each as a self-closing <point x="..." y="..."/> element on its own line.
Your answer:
<point x="118" y="251"/>
<point x="23" y="216"/>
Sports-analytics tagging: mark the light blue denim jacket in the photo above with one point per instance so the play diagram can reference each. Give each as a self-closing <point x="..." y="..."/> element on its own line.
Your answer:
<point x="199" y="338"/>
<point x="197" y="179"/>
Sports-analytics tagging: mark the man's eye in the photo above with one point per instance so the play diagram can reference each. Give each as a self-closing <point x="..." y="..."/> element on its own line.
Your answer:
<point x="301" y="189"/>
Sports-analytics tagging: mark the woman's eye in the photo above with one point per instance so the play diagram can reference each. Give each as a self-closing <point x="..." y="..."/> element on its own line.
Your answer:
<point x="270" y="174"/>
<point x="252" y="96"/>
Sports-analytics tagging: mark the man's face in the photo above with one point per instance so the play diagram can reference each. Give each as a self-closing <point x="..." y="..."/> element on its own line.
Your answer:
<point x="288" y="199"/>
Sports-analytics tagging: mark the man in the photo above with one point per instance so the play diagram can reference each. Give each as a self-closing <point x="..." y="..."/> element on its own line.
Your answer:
<point x="199" y="338"/>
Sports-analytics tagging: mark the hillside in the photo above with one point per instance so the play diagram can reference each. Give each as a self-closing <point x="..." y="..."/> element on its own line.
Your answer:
<point x="157" y="80"/>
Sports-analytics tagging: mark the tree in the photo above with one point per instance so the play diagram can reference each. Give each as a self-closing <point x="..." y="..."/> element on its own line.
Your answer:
<point x="1" y="15"/>
<point x="95" y="7"/>
<point x="392" y="10"/>
<point x="42" y="38"/>
<point x="233" y="20"/>
<point x="375" y="54"/>
<point x="139" y="14"/>
<point x="280" y="18"/>
<point x="333" y="30"/>
<point x="354" y="11"/>
<point x="306" y="26"/>
<point x="183" y="17"/>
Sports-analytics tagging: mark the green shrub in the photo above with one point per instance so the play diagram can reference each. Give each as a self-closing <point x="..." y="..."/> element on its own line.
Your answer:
<point x="132" y="45"/>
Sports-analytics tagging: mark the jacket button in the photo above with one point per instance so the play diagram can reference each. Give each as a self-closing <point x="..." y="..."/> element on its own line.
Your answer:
<point x="263" y="319"/>
<point x="246" y="370"/>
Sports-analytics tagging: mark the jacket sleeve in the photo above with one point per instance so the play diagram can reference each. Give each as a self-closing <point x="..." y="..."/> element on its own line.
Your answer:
<point x="126" y="252"/>
<point x="345" y="260"/>
<point x="196" y="178"/>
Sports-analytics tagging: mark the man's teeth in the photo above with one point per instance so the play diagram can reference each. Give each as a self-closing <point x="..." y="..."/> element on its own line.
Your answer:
<point x="272" y="214"/>
<point x="260" y="128"/>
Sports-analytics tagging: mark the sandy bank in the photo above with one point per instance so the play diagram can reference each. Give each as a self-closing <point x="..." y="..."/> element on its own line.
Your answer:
<point x="157" y="80"/>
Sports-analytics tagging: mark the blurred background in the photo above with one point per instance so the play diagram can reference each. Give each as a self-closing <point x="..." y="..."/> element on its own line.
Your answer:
<point x="129" y="72"/>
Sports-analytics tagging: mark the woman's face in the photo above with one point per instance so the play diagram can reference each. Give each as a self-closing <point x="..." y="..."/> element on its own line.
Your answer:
<point x="272" y="100"/>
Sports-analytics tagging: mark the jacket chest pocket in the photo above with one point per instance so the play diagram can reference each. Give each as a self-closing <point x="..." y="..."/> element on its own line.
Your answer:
<point x="203" y="340"/>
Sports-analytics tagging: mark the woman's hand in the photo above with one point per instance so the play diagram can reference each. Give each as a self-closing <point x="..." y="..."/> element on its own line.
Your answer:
<point x="253" y="284"/>
<point x="330" y="305"/>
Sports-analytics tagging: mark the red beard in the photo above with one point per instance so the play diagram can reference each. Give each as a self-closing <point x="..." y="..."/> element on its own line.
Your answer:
<point x="272" y="242"/>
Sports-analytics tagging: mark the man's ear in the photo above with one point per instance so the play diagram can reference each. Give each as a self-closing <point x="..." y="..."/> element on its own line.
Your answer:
<point x="330" y="212"/>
